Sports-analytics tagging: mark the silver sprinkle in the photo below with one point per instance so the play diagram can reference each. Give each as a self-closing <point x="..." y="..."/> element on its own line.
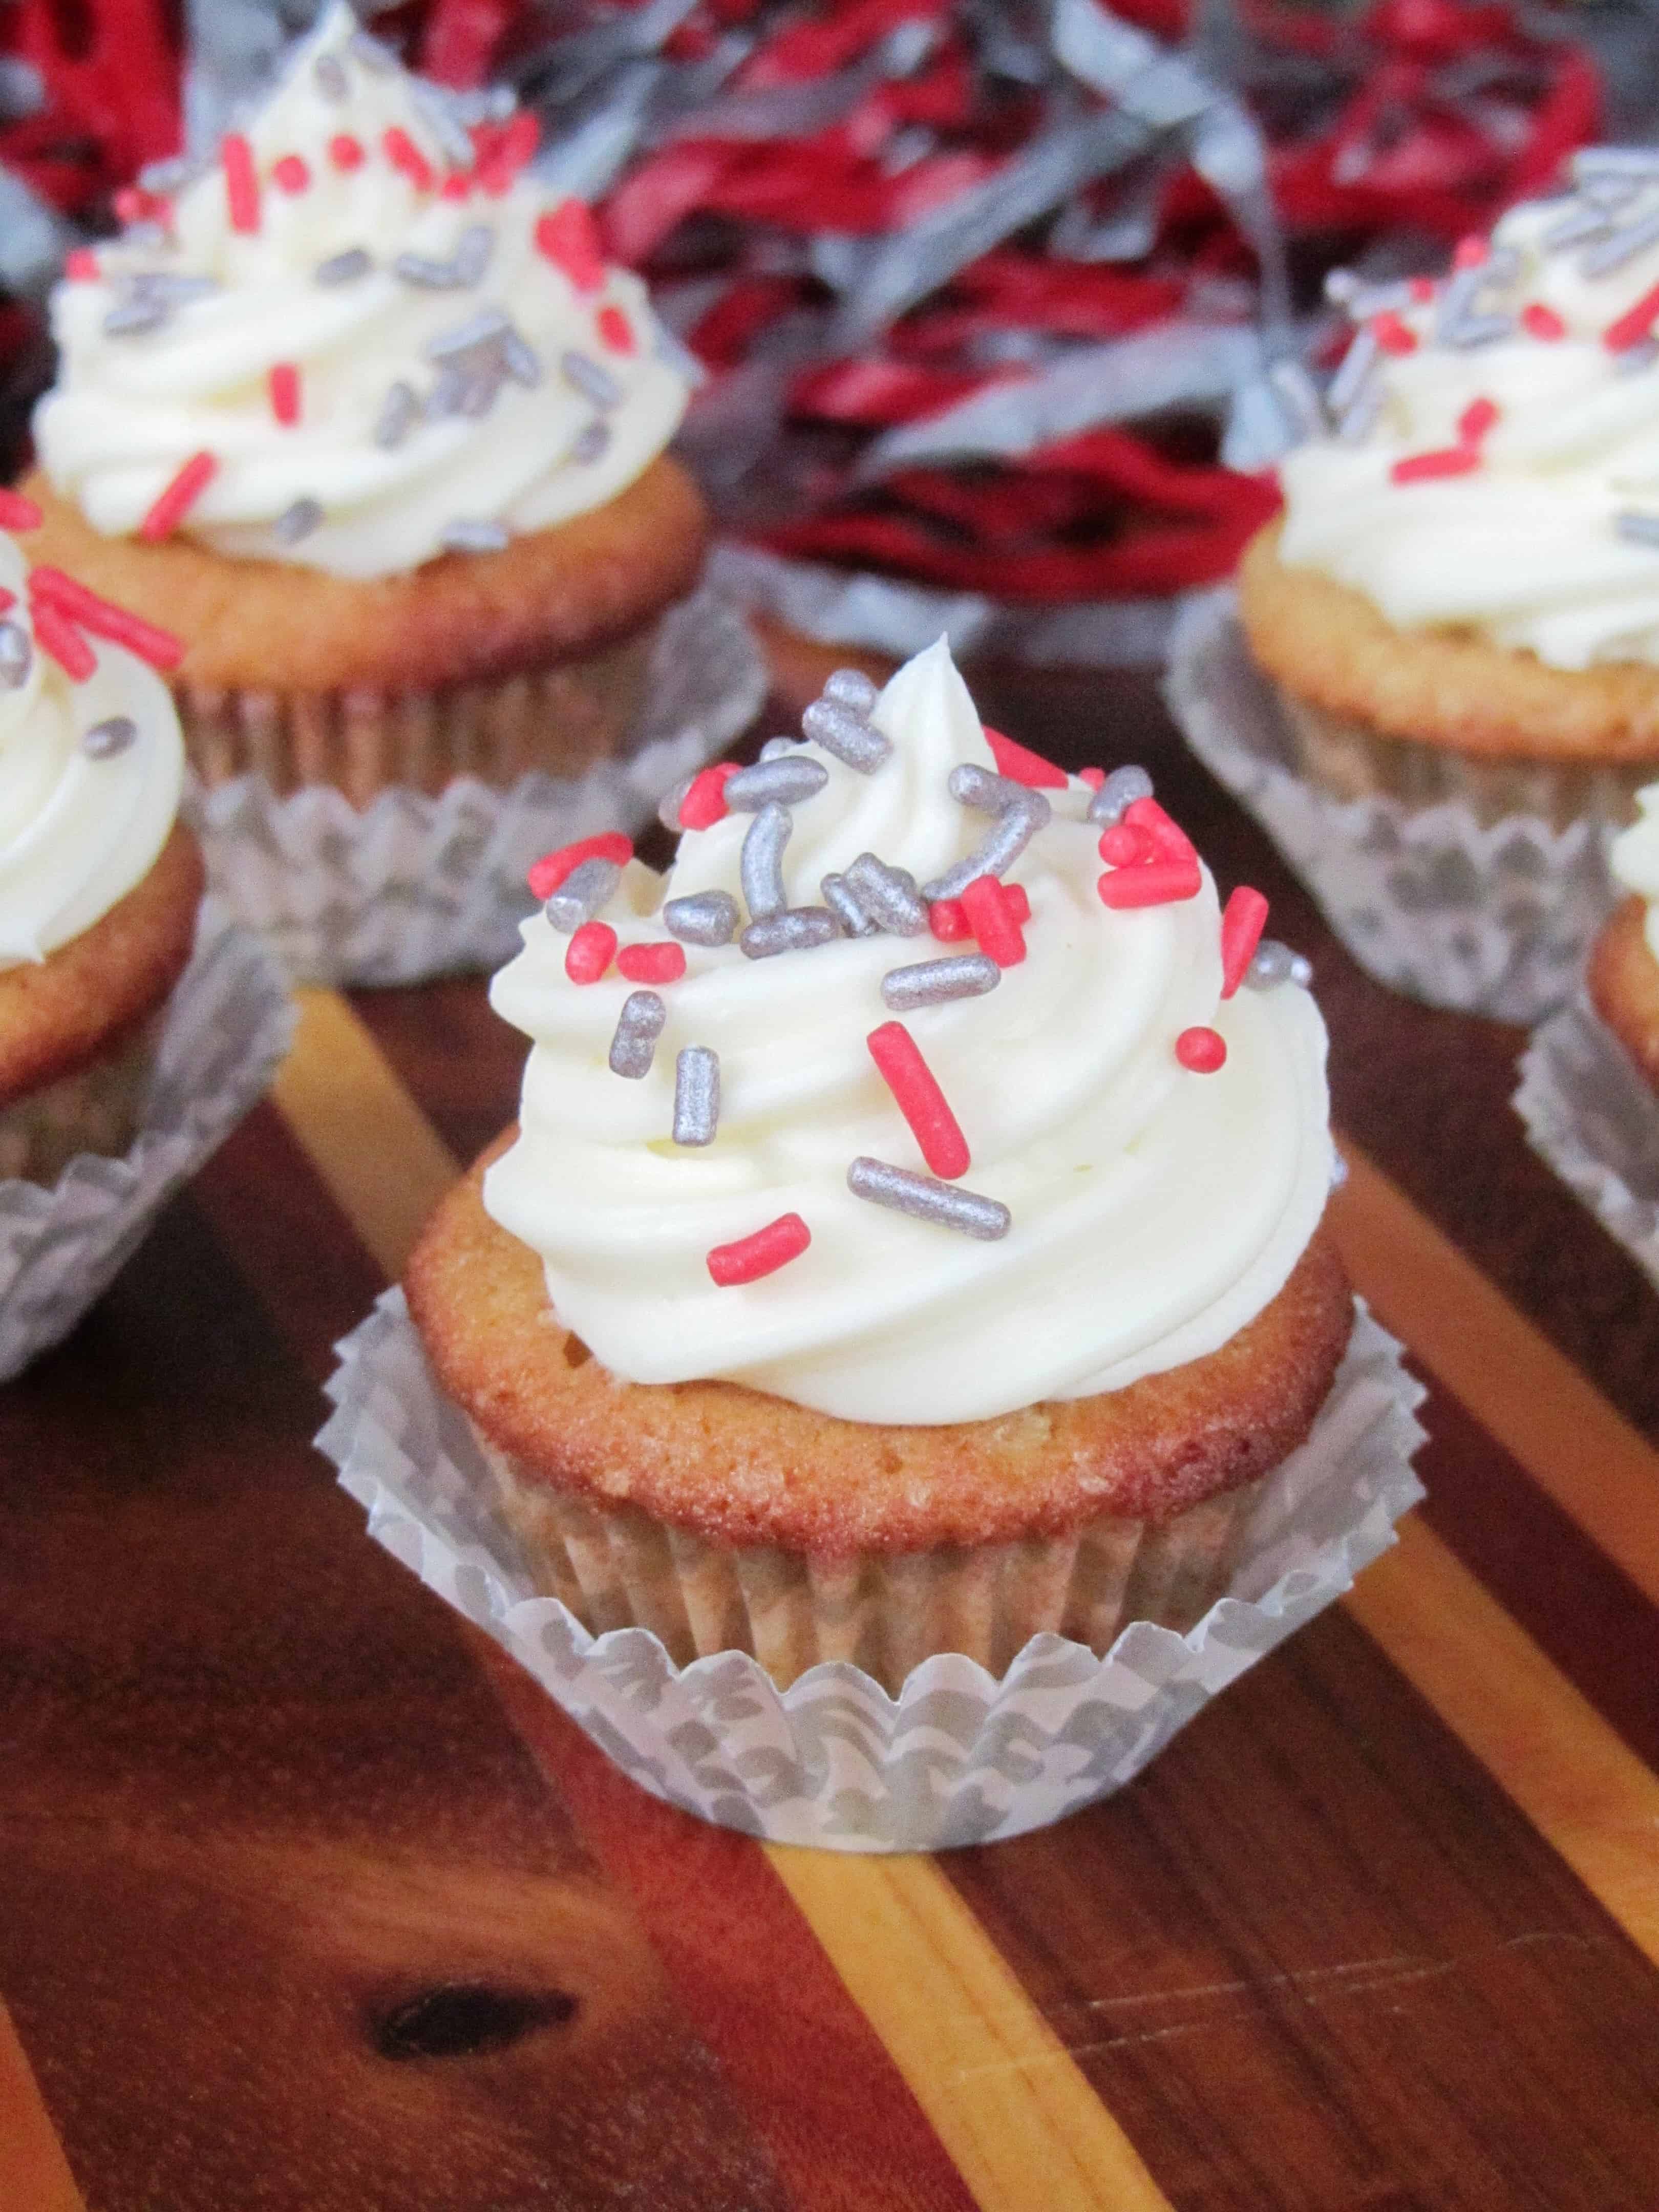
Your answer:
<point x="134" y="317"/>
<point x="427" y="275"/>
<point x="106" y="738"/>
<point x="928" y="1199"/>
<point x="174" y="286"/>
<point x="787" y="781"/>
<point x="696" y="1095"/>
<point x="797" y="930"/>
<point x="329" y="78"/>
<point x="985" y="792"/>
<point x="1359" y="417"/>
<point x="1270" y="965"/>
<point x="1339" y="1170"/>
<point x="995" y="854"/>
<point x="462" y="536"/>
<point x="703" y="918"/>
<point x="837" y="897"/>
<point x="592" y="381"/>
<point x="1639" y="529"/>
<point x="1121" y="789"/>
<point x="843" y="730"/>
<point x="1588" y="220"/>
<point x="344" y="268"/>
<point x="16" y="655"/>
<point x="400" y="411"/>
<point x="438" y="113"/>
<point x="448" y="393"/>
<point x="762" y="861"/>
<point x="888" y="896"/>
<point x="482" y="328"/>
<point x="297" y="521"/>
<point x="590" y="441"/>
<point x="638" y="1027"/>
<point x="852" y="688"/>
<point x="472" y="254"/>
<point x="1632" y="361"/>
<point x="479" y="393"/>
<point x="1300" y="969"/>
<point x="520" y="360"/>
<point x="931" y="982"/>
<point x="581" y="894"/>
<point x="1624" y="246"/>
<point x="1357" y="364"/>
<point x="372" y="52"/>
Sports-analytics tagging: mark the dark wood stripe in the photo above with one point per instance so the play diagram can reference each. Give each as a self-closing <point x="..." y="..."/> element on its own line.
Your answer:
<point x="1315" y="1957"/>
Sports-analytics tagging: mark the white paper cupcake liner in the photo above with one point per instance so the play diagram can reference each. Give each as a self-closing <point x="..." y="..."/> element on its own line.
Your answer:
<point x="1590" y="1112"/>
<point x="958" y="1757"/>
<point x="1493" y="919"/>
<point x="413" y="887"/>
<point x="228" y="1023"/>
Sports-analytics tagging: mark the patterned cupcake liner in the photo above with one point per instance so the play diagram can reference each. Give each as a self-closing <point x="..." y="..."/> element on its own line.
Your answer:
<point x="413" y="886"/>
<point x="228" y="1025"/>
<point x="1488" y="916"/>
<point x="99" y="1108"/>
<point x="959" y="1756"/>
<point x="1591" y="1114"/>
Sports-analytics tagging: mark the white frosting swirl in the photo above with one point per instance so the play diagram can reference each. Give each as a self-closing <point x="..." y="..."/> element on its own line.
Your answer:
<point x="1155" y="1211"/>
<point x="1525" y="549"/>
<point x="129" y="410"/>
<point x="76" y="833"/>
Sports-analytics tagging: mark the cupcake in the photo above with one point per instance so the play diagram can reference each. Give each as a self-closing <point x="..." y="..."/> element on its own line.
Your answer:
<point x="362" y="414"/>
<point x="1622" y="979"/>
<point x="99" y="882"/>
<point x="911" y="1240"/>
<point x="1460" y="601"/>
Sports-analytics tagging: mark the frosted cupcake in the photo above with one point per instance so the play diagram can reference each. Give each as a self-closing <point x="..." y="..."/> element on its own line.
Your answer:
<point x="911" y="1240"/>
<point x="99" y="883"/>
<point x="363" y="415"/>
<point x="1462" y="599"/>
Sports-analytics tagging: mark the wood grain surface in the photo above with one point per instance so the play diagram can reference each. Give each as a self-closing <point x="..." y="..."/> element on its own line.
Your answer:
<point x="312" y="1900"/>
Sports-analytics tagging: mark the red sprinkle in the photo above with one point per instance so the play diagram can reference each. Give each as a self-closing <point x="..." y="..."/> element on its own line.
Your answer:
<point x="1024" y="767"/>
<point x="17" y="513"/>
<point x="1543" y="322"/>
<point x="919" y="1099"/>
<point x="704" y="803"/>
<point x="947" y="921"/>
<point x="1392" y="335"/>
<point x="1018" y="902"/>
<point x="285" y="381"/>
<point x="763" y="1254"/>
<point x="618" y="333"/>
<point x="1126" y="847"/>
<point x="1448" y="461"/>
<point x="514" y="147"/>
<point x="1242" y="919"/>
<point x="663" y="962"/>
<point x="590" y="951"/>
<point x="1470" y="253"/>
<point x="175" y="502"/>
<point x="241" y="181"/>
<point x="990" y="916"/>
<point x="7" y="599"/>
<point x="1634" y="325"/>
<point x="457" y="185"/>
<point x="406" y="157"/>
<point x="57" y="636"/>
<point x="81" y="265"/>
<point x="105" y="619"/>
<point x="1421" y="289"/>
<point x="567" y="236"/>
<point x="1476" y="420"/>
<point x="346" y="152"/>
<point x="1094" y="777"/>
<point x="1155" y="882"/>
<point x="291" y="173"/>
<point x="1202" y="1050"/>
<point x="550" y="872"/>
<point x="1169" y="841"/>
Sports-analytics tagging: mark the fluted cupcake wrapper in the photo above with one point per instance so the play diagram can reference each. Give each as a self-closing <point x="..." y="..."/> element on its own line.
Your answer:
<point x="1592" y="1115"/>
<point x="227" y="1026"/>
<point x="428" y="878"/>
<point x="1438" y="894"/>
<point x="962" y="1754"/>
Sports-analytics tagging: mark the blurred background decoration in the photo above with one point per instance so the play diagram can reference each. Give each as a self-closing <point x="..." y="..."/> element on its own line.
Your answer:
<point x="1005" y="307"/>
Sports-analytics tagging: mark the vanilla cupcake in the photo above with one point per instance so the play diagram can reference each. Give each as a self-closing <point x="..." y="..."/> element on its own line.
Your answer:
<point x="362" y="414"/>
<point x="911" y="1239"/>
<point x="99" y="883"/>
<point x="1462" y="599"/>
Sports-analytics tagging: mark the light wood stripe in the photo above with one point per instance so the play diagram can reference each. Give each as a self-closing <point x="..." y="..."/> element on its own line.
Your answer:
<point x="1014" y="2112"/>
<point x="1524" y="1393"/>
<point x="32" y="2166"/>
<point x="1576" y="1780"/>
